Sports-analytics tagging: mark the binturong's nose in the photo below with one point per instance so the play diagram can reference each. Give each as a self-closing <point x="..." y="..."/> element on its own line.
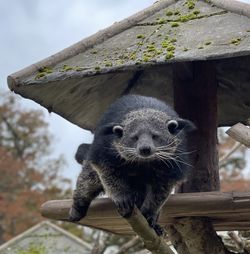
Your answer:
<point x="145" y="146"/>
<point x="145" y="151"/>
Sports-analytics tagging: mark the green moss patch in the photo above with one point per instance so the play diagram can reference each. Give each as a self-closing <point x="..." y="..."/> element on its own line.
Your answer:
<point x="235" y="41"/>
<point x="174" y="24"/>
<point x="67" y="68"/>
<point x="140" y="36"/>
<point x="190" y="4"/>
<point x="169" y="55"/>
<point x="107" y="63"/>
<point x="43" y="72"/>
<point x="169" y="13"/>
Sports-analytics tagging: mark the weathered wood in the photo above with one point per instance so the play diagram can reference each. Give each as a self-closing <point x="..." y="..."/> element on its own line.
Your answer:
<point x="195" y="98"/>
<point x="227" y="211"/>
<point x="177" y="241"/>
<point x="234" y="6"/>
<point x="126" y="246"/>
<point x="240" y="244"/>
<point x="205" y="243"/>
<point x="94" y="81"/>
<point x="89" y="42"/>
<point x="241" y="133"/>
<point x="152" y="242"/>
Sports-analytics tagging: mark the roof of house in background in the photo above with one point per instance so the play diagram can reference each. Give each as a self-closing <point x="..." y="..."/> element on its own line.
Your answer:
<point x="46" y="238"/>
<point x="136" y="55"/>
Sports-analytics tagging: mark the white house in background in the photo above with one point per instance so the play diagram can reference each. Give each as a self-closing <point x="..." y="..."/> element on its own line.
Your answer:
<point x="45" y="238"/>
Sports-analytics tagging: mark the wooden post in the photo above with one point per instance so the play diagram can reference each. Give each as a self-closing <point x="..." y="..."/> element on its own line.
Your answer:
<point x="195" y="98"/>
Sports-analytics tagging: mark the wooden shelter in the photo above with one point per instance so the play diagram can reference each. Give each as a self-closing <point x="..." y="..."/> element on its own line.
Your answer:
<point x="138" y="54"/>
<point x="193" y="54"/>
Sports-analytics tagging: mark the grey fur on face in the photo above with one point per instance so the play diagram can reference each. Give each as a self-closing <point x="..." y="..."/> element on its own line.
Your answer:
<point x="145" y="136"/>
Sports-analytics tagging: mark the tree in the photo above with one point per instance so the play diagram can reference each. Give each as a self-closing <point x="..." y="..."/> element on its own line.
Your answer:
<point x="29" y="175"/>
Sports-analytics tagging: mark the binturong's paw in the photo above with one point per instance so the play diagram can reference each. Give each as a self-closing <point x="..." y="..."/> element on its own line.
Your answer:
<point x="125" y="205"/>
<point x="158" y="229"/>
<point x="152" y="221"/>
<point x="77" y="212"/>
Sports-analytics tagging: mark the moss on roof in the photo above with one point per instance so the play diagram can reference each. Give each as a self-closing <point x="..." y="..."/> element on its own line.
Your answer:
<point x="168" y="32"/>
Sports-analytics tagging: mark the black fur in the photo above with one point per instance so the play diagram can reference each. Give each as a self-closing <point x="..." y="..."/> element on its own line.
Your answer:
<point x="82" y="152"/>
<point x="145" y="181"/>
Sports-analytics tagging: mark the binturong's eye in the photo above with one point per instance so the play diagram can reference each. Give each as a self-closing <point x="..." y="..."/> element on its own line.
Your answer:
<point x="173" y="127"/>
<point x="118" y="131"/>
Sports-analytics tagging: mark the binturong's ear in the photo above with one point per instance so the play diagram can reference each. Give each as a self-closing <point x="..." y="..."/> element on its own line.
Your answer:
<point x="175" y="126"/>
<point x="82" y="152"/>
<point x="112" y="128"/>
<point x="118" y="130"/>
<point x="187" y="125"/>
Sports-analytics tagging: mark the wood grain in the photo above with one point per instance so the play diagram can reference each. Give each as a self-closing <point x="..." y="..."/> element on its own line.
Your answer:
<point x="227" y="211"/>
<point x="240" y="133"/>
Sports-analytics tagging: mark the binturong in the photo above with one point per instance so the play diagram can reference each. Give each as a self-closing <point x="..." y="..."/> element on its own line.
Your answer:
<point x="138" y="155"/>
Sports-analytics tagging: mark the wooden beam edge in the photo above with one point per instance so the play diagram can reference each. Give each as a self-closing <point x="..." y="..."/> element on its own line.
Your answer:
<point x="240" y="133"/>
<point x="228" y="211"/>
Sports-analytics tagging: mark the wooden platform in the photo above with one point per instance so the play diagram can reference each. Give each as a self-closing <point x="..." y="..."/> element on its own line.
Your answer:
<point x="228" y="211"/>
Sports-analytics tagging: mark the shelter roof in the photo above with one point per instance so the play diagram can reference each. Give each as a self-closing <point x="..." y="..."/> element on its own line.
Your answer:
<point x="137" y="55"/>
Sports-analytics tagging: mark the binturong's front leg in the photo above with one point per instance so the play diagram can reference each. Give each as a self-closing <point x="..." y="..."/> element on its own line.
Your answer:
<point x="156" y="196"/>
<point x="119" y="191"/>
<point x="88" y="186"/>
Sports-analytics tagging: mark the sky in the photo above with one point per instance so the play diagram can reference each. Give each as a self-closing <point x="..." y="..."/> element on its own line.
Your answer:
<point x="31" y="30"/>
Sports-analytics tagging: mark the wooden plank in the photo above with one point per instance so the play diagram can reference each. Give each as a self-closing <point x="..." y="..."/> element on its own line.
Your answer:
<point x="228" y="211"/>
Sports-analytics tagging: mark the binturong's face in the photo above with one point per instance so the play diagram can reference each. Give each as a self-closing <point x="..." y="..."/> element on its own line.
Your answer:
<point x="151" y="135"/>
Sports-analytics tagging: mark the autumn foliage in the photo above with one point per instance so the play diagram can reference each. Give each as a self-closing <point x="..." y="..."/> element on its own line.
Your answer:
<point x="28" y="174"/>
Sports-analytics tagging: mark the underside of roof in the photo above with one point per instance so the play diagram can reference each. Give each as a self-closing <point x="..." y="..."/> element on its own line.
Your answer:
<point x="137" y="55"/>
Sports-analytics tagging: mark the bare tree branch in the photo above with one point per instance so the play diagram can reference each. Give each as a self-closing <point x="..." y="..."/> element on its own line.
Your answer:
<point x="15" y="136"/>
<point x="125" y="247"/>
<point x="177" y="240"/>
<point x="100" y="245"/>
<point x="150" y="239"/>
<point x="240" y="243"/>
<point x="237" y="240"/>
<point x="143" y="252"/>
<point x="224" y="158"/>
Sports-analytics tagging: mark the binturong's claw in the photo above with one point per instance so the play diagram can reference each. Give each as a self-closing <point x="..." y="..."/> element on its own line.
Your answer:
<point x="125" y="205"/>
<point x="77" y="211"/>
